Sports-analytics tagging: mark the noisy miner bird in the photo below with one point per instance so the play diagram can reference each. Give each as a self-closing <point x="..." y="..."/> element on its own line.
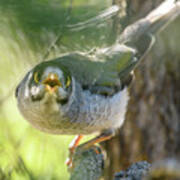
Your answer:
<point x="80" y="94"/>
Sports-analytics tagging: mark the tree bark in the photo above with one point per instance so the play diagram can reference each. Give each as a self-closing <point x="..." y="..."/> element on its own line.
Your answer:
<point x="152" y="127"/>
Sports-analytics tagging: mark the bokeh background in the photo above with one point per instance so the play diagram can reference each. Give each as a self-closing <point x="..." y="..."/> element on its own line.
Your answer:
<point x="37" y="30"/>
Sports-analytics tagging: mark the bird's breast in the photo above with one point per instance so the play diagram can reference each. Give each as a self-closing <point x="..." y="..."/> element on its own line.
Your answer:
<point x="85" y="113"/>
<point x="97" y="113"/>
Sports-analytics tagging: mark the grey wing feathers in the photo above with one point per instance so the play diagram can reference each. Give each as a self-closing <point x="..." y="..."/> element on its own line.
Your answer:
<point x="101" y="75"/>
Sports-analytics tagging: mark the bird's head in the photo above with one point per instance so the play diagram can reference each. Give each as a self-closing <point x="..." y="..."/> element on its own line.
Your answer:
<point x="47" y="79"/>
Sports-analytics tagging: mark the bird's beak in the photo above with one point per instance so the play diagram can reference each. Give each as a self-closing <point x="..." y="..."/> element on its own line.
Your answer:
<point x="52" y="83"/>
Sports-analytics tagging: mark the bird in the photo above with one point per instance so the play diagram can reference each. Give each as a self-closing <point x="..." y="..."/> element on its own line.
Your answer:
<point x="83" y="93"/>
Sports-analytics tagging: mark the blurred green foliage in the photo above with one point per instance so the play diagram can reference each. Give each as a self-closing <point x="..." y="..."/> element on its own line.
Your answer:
<point x="28" y="30"/>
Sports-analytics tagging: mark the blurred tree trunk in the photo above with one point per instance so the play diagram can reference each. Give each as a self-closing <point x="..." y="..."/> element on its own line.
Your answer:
<point x="152" y="127"/>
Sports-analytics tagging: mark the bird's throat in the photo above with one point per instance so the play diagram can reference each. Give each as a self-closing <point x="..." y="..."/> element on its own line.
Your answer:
<point x="49" y="103"/>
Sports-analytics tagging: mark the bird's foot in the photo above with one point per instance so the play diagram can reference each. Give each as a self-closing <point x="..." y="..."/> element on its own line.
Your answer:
<point x="74" y="146"/>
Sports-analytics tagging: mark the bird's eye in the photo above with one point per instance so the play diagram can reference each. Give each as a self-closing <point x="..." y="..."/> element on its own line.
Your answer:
<point x="36" y="78"/>
<point x="68" y="82"/>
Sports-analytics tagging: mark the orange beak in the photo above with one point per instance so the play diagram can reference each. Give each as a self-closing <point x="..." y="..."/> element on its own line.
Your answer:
<point x="52" y="83"/>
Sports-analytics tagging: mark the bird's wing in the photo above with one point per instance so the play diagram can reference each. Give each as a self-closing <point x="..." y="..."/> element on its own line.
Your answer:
<point x="99" y="74"/>
<point x="138" y="39"/>
<point x="140" y="34"/>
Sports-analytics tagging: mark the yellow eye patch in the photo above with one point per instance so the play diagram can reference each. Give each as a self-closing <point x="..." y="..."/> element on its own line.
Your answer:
<point x="36" y="79"/>
<point x="68" y="82"/>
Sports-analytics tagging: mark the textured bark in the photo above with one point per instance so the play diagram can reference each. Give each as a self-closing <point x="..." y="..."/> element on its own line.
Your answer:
<point x="160" y="170"/>
<point x="87" y="164"/>
<point x="152" y="127"/>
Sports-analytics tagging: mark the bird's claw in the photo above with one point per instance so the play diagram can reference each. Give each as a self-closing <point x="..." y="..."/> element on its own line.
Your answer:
<point x="79" y="150"/>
